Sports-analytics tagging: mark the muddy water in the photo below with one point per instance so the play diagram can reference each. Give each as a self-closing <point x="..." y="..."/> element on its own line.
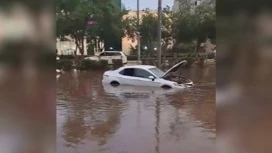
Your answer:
<point x="92" y="118"/>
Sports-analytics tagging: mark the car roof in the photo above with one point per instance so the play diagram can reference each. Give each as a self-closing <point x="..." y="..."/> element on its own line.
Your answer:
<point x="140" y="66"/>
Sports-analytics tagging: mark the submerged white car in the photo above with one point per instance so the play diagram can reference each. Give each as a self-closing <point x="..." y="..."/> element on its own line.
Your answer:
<point x="146" y="75"/>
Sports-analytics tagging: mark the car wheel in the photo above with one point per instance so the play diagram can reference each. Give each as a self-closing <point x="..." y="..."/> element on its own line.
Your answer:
<point x="115" y="83"/>
<point x="166" y="87"/>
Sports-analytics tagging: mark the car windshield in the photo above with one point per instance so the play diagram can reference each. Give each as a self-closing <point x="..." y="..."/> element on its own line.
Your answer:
<point x="159" y="73"/>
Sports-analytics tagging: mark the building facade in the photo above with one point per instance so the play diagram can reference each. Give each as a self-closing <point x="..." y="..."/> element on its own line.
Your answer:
<point x="128" y="43"/>
<point x="68" y="47"/>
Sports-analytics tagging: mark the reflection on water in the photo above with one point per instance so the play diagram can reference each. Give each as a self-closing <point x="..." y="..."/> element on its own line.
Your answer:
<point x="104" y="119"/>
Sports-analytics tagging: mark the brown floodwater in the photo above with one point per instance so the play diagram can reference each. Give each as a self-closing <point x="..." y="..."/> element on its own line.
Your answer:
<point x="92" y="118"/>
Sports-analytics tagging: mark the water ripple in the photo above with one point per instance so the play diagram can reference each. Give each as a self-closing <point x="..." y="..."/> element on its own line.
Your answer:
<point x="96" y="118"/>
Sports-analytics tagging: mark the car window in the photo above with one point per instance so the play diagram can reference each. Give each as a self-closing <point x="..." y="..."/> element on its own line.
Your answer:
<point x="136" y="73"/>
<point x="113" y="54"/>
<point x="142" y="73"/>
<point x="159" y="73"/>
<point x="108" y="54"/>
<point x="127" y="72"/>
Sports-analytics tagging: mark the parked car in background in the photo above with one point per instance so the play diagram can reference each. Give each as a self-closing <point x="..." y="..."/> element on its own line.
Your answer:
<point x="146" y="75"/>
<point x="68" y="51"/>
<point x="109" y="56"/>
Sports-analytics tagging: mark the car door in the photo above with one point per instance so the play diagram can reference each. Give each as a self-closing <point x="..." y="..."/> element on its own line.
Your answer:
<point x="110" y="57"/>
<point x="116" y="55"/>
<point x="138" y="77"/>
<point x="104" y="56"/>
<point x="143" y="78"/>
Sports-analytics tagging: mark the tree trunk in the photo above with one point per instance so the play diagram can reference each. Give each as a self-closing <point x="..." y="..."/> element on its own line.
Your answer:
<point x="198" y="43"/>
<point x="101" y="47"/>
<point x="82" y="47"/>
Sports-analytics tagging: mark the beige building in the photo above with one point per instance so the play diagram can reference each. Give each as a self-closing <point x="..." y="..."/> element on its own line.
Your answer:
<point x="127" y="42"/>
<point x="68" y="47"/>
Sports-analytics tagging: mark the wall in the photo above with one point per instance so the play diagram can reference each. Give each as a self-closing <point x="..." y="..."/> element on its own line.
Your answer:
<point x="69" y="44"/>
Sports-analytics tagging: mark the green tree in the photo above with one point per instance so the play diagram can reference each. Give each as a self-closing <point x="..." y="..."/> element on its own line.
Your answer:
<point x="167" y="27"/>
<point x="207" y="25"/>
<point x="73" y="15"/>
<point x="195" y="26"/>
<point x="148" y="28"/>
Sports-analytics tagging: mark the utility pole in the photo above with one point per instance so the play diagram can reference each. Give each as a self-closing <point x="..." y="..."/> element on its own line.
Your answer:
<point x="138" y="32"/>
<point x="159" y="33"/>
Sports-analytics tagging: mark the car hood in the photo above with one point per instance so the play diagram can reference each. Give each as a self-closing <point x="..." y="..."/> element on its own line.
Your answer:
<point x="175" y="67"/>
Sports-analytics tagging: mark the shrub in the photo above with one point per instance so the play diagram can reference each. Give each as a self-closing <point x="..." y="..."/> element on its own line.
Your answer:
<point x="117" y="63"/>
<point x="58" y="64"/>
<point x="93" y="65"/>
<point x="70" y="57"/>
<point x="211" y="56"/>
<point x="66" y="65"/>
<point x="85" y="64"/>
<point x="66" y="57"/>
<point x="103" y="64"/>
<point x="132" y="57"/>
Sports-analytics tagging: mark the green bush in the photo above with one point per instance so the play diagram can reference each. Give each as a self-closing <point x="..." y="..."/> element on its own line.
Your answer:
<point x="211" y="56"/>
<point x="92" y="65"/>
<point x="58" y="65"/>
<point x="65" y="65"/>
<point x="103" y="64"/>
<point x="66" y="57"/>
<point x="117" y="63"/>
<point x="85" y="64"/>
<point x="70" y="57"/>
<point x="132" y="57"/>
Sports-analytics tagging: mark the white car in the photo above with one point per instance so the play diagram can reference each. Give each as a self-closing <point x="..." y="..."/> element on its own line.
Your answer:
<point x="126" y="92"/>
<point x="109" y="56"/>
<point x="146" y="75"/>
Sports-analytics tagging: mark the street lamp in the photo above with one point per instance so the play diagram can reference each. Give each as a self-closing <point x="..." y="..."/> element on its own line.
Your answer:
<point x="155" y="48"/>
<point x="145" y="48"/>
<point x="138" y="31"/>
<point x="159" y="32"/>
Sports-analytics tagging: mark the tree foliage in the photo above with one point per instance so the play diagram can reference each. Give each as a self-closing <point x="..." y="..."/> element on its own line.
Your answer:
<point x="182" y="27"/>
<point x="148" y="28"/>
<point x="72" y="17"/>
<point x="187" y="26"/>
<point x="195" y="26"/>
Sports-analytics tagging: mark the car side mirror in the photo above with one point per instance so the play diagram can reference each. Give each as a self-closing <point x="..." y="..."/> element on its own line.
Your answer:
<point x="151" y="78"/>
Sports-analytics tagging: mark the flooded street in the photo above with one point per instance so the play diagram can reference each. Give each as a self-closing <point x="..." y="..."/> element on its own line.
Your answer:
<point x="92" y="118"/>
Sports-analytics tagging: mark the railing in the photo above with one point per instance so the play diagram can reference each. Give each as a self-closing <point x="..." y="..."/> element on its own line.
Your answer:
<point x="170" y="56"/>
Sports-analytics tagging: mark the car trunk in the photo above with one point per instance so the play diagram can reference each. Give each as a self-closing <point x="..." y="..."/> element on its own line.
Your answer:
<point x="172" y="76"/>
